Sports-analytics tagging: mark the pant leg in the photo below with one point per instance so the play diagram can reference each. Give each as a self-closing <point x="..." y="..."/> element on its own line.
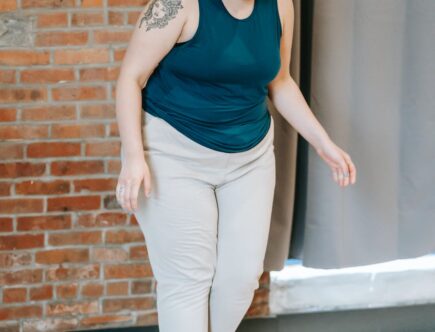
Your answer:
<point x="179" y="222"/>
<point x="245" y="207"/>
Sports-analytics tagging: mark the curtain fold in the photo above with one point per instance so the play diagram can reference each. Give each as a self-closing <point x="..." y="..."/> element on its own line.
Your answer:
<point x="373" y="78"/>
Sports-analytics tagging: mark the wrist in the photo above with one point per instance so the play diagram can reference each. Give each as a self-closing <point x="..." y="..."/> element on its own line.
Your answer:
<point x="321" y="142"/>
<point x="129" y="153"/>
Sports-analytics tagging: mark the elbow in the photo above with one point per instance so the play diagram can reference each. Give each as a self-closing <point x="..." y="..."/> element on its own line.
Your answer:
<point x="279" y="83"/>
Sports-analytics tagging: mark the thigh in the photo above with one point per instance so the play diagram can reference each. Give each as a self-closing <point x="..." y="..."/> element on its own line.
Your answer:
<point x="245" y="207"/>
<point x="179" y="222"/>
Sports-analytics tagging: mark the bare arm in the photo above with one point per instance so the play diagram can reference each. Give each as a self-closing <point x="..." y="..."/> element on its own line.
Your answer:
<point x="157" y="30"/>
<point x="289" y="101"/>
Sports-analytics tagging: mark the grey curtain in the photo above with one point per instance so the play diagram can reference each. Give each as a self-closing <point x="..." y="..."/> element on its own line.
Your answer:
<point x="373" y="78"/>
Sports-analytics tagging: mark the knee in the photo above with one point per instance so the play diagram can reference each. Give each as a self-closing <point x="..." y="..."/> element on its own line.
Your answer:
<point x="184" y="285"/>
<point x="237" y="282"/>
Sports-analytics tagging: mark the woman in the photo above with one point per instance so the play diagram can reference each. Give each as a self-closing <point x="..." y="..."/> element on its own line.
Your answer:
<point x="198" y="73"/>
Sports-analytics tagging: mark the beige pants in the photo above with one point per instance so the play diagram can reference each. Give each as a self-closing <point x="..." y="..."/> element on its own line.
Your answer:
<point x="206" y="227"/>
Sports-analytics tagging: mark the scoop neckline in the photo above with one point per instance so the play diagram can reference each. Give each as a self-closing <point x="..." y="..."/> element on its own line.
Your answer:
<point x="239" y="19"/>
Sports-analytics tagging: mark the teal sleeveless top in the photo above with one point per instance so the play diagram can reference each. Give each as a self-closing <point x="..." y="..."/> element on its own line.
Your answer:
<point x="213" y="87"/>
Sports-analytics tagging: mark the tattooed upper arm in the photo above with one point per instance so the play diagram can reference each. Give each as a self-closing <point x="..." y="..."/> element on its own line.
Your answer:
<point x="156" y="31"/>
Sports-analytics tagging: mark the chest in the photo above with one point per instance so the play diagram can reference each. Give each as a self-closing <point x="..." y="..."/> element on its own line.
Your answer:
<point x="226" y="50"/>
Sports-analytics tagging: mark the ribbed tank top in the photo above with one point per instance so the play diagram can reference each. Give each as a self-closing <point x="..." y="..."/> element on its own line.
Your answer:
<point x="213" y="87"/>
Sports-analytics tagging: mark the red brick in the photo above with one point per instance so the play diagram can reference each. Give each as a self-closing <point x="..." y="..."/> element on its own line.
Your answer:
<point x="21" y="277"/>
<point x="96" y="184"/>
<point x="73" y="203"/>
<point x="50" y="20"/>
<point x="61" y="168"/>
<point x="139" y="252"/>
<point x="24" y="241"/>
<point x="124" y="236"/>
<point x="99" y="111"/>
<point x="116" y="18"/>
<point x="69" y="238"/>
<point x="61" y="38"/>
<point x="14" y="95"/>
<point x="82" y="272"/>
<point x="26" y="4"/>
<point x="8" y="114"/>
<point x="24" y="57"/>
<point x="109" y="255"/>
<point x="81" y="56"/>
<point x="6" y="224"/>
<point x="108" y="36"/>
<point x="128" y="303"/>
<point x="32" y="187"/>
<point x="92" y="290"/>
<point x="133" y="17"/>
<point x="99" y="74"/>
<point x="106" y="319"/>
<point x="105" y="149"/>
<point x="11" y="295"/>
<point x="44" y="222"/>
<point x="79" y="93"/>
<point x="23" y="132"/>
<point x="53" y="149"/>
<point x="87" y="19"/>
<point x="7" y="76"/>
<point x="125" y="3"/>
<point x="105" y="219"/>
<point x="5" y="190"/>
<point x="9" y="151"/>
<point x="58" y="256"/>
<point x="19" y="312"/>
<point x="24" y="205"/>
<point x="118" y="54"/>
<point x="10" y="260"/>
<point x="49" y="113"/>
<point x="67" y="291"/>
<point x="70" y="308"/>
<point x="90" y="3"/>
<point x="77" y="130"/>
<point x="117" y="288"/>
<point x="128" y="270"/>
<point x="44" y="292"/>
<point x="147" y="318"/>
<point x="141" y="287"/>
<point x="18" y="169"/>
<point x="47" y="75"/>
<point x="8" y="5"/>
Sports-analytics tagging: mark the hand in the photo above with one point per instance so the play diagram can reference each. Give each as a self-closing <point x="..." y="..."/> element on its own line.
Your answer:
<point x="343" y="169"/>
<point x="133" y="172"/>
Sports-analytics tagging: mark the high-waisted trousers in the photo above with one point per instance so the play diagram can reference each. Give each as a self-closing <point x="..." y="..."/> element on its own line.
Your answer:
<point x="206" y="227"/>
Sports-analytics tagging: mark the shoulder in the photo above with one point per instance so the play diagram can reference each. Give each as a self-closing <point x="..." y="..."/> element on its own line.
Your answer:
<point x="161" y="12"/>
<point x="286" y="12"/>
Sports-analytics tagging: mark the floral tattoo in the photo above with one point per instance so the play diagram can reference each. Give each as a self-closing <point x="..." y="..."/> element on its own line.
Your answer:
<point x="160" y="12"/>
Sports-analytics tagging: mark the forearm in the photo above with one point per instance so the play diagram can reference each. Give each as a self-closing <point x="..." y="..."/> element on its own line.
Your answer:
<point x="128" y="115"/>
<point x="291" y="104"/>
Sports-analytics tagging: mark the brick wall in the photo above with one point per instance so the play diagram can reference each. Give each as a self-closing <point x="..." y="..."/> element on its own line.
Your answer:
<point x="69" y="257"/>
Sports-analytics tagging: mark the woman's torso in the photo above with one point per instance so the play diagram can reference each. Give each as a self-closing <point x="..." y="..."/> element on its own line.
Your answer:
<point x="213" y="87"/>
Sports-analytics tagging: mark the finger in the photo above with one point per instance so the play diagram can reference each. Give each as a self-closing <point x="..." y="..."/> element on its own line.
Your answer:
<point x="340" y="177"/>
<point x="351" y="167"/>
<point x="343" y="171"/>
<point x="118" y="193"/>
<point x="133" y="195"/>
<point x="147" y="183"/>
<point x="126" y="196"/>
